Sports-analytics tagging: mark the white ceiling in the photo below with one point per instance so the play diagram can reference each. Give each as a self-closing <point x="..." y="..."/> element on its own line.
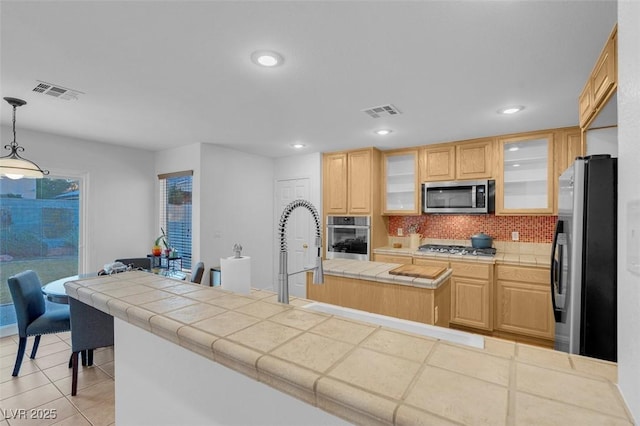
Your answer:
<point x="155" y="75"/>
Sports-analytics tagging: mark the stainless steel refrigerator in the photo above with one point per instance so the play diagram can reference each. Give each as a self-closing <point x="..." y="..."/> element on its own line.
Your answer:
<point x="584" y="257"/>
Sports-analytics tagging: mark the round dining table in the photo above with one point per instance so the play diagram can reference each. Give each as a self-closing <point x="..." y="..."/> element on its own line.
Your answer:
<point x="55" y="292"/>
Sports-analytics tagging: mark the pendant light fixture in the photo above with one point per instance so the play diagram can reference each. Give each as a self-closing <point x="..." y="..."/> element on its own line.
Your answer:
<point x="13" y="165"/>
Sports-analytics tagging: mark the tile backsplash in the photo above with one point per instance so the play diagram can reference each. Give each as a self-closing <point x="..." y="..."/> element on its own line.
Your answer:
<point x="531" y="229"/>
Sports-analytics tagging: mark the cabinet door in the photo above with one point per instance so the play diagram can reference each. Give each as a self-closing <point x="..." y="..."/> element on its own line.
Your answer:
<point x="524" y="309"/>
<point x="523" y="301"/>
<point x="335" y="183"/>
<point x="401" y="190"/>
<point x="585" y="105"/>
<point x="359" y="182"/>
<point x="470" y="302"/>
<point x="474" y="159"/>
<point x="603" y="77"/>
<point x="439" y="163"/>
<point x="525" y="183"/>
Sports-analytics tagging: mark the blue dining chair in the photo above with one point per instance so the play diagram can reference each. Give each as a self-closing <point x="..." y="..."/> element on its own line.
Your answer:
<point x="90" y="329"/>
<point x="34" y="319"/>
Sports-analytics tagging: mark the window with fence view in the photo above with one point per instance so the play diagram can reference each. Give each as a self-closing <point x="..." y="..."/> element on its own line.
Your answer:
<point x="39" y="230"/>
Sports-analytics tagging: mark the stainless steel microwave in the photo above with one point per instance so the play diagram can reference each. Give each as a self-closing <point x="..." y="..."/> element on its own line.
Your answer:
<point x="459" y="197"/>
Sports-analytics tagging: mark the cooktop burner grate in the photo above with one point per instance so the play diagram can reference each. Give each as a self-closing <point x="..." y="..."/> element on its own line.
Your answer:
<point x="459" y="250"/>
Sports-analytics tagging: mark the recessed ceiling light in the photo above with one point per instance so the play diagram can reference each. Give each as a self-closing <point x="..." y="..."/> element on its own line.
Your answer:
<point x="511" y="109"/>
<point x="267" y="58"/>
<point x="383" y="132"/>
<point x="298" y="145"/>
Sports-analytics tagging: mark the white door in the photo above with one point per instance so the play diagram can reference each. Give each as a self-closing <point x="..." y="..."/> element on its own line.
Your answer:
<point x="300" y="232"/>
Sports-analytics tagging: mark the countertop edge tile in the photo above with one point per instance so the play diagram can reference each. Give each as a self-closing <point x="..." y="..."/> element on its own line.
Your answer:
<point x="354" y="404"/>
<point x="165" y="328"/>
<point x="237" y="357"/>
<point x="197" y="341"/>
<point x="289" y="378"/>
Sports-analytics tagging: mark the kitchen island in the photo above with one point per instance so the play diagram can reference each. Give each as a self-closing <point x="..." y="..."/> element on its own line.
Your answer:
<point x="359" y="372"/>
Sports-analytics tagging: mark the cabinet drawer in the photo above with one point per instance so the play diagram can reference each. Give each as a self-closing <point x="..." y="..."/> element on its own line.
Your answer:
<point x="528" y="275"/>
<point x="430" y="262"/>
<point x="471" y="270"/>
<point x="390" y="258"/>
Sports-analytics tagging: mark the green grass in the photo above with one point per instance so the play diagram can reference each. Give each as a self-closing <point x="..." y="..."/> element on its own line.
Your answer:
<point x="48" y="269"/>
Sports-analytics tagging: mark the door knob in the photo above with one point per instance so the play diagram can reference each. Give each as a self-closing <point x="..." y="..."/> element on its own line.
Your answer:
<point x="305" y="245"/>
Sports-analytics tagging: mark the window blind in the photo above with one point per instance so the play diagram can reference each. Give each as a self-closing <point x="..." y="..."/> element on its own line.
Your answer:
<point x="175" y="212"/>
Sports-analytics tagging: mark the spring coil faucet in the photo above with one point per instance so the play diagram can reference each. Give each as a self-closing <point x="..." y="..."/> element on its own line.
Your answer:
<point x="283" y="275"/>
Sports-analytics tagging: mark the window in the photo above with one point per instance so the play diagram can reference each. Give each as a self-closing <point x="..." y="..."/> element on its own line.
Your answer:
<point x="40" y="222"/>
<point x="175" y="212"/>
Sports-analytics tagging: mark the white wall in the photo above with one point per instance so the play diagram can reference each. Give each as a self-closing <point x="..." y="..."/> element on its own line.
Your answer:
<point x="297" y="167"/>
<point x="236" y="206"/>
<point x="120" y="206"/>
<point x="603" y="141"/>
<point x="628" y="195"/>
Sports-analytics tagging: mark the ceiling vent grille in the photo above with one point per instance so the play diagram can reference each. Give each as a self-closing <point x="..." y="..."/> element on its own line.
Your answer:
<point x="56" y="91"/>
<point x="382" y="110"/>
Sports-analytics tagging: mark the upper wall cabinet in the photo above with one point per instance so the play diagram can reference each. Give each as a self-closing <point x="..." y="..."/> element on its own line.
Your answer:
<point x="525" y="184"/>
<point x="461" y="160"/>
<point x="349" y="181"/>
<point x="602" y="81"/>
<point x="401" y="187"/>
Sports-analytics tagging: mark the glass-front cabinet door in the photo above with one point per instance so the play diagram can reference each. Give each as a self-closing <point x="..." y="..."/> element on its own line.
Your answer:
<point x="525" y="181"/>
<point x="402" y="192"/>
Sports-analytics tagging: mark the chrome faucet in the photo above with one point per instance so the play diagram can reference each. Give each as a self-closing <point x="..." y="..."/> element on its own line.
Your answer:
<point x="283" y="276"/>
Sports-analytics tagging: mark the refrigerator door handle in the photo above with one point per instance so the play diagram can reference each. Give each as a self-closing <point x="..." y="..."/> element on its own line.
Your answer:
<point x="557" y="296"/>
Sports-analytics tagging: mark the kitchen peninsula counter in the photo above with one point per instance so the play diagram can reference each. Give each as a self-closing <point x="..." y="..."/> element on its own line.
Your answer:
<point x="356" y="371"/>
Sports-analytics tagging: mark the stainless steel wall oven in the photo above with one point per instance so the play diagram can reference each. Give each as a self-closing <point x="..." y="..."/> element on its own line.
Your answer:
<point x="348" y="237"/>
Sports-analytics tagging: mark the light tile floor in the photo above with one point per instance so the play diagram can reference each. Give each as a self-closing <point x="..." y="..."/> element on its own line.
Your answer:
<point x="43" y="387"/>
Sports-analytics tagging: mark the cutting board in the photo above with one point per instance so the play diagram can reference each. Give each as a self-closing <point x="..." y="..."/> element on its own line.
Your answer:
<point x="418" y="271"/>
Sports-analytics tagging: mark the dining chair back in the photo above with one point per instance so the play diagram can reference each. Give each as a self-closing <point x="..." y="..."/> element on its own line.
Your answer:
<point x="33" y="317"/>
<point x="197" y="272"/>
<point x="90" y="329"/>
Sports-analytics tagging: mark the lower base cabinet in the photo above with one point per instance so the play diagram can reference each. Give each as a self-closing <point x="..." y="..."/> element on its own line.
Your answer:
<point x="523" y="302"/>
<point x="471" y="295"/>
<point x="429" y="306"/>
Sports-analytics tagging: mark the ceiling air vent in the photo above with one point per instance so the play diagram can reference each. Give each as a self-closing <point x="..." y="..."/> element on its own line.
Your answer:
<point x="56" y="91"/>
<point x="379" y="111"/>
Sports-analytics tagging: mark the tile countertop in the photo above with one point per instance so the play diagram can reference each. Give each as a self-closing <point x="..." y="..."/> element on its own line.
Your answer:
<point x="364" y="373"/>
<point x="522" y="254"/>
<point x="379" y="271"/>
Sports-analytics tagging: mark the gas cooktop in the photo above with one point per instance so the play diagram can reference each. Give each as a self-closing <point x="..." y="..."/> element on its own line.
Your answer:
<point x="459" y="250"/>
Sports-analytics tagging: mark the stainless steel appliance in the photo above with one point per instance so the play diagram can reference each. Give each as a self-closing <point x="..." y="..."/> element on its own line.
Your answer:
<point x="470" y="196"/>
<point x="348" y="237"/>
<point x="584" y="257"/>
<point x="457" y="250"/>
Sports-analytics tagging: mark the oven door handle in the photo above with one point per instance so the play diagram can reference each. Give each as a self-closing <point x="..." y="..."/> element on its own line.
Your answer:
<point x="349" y="226"/>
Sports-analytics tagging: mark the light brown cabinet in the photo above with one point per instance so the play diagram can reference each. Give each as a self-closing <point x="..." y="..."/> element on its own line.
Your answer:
<point x="471" y="295"/>
<point x="602" y="81"/>
<point x="430" y="306"/>
<point x="525" y="183"/>
<point x="457" y="161"/>
<point x="523" y="301"/>
<point x="401" y="189"/>
<point x="350" y="181"/>
<point x="390" y="258"/>
<point x="474" y="159"/>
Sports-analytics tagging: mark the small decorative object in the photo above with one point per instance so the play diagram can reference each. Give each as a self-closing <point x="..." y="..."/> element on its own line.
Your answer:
<point x="397" y="245"/>
<point x="161" y="241"/>
<point x="237" y="248"/>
